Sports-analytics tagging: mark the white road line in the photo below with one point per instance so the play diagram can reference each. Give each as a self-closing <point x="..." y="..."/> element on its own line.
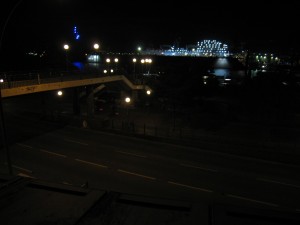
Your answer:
<point x="191" y="187"/>
<point x="91" y="163"/>
<point x="137" y="174"/>
<point x="22" y="145"/>
<point x="278" y="182"/>
<point x="25" y="175"/>
<point x="66" y="183"/>
<point x="77" y="142"/>
<point x="128" y="153"/>
<point x="20" y="168"/>
<point x="53" y="153"/>
<point x="200" y="168"/>
<point x="252" y="200"/>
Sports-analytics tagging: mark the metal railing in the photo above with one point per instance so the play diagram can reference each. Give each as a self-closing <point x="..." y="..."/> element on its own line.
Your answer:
<point x="14" y="80"/>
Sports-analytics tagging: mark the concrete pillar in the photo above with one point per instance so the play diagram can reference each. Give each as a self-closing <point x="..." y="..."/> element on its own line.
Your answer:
<point x="76" y="102"/>
<point x="135" y="96"/>
<point x="90" y="101"/>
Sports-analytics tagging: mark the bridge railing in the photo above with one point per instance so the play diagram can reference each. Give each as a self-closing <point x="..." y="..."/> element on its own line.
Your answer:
<point x="27" y="79"/>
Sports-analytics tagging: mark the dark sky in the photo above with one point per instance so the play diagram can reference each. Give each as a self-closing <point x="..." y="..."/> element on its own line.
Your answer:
<point x="122" y="25"/>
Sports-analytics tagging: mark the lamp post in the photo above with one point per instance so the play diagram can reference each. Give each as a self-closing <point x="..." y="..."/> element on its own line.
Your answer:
<point x="134" y="62"/>
<point x="3" y="131"/>
<point x="142" y="62"/>
<point x="67" y="47"/>
<point x="116" y="61"/>
<point x="127" y="101"/>
<point x="108" y="62"/>
<point x="96" y="47"/>
<point x="149" y="62"/>
<point x="139" y="49"/>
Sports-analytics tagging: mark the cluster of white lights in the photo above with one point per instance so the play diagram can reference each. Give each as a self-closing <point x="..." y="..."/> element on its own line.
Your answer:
<point x="106" y="71"/>
<point x="212" y="48"/>
<point x="204" y="48"/>
<point x="146" y="61"/>
<point x="264" y="57"/>
<point x="108" y="60"/>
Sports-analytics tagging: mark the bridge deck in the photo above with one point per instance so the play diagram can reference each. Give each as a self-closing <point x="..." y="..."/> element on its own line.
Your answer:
<point x="28" y="86"/>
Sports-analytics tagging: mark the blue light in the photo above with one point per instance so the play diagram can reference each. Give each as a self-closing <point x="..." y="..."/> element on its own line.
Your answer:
<point x="76" y="33"/>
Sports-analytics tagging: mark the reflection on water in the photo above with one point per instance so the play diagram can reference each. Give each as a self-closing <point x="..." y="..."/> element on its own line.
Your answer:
<point x="233" y="73"/>
<point x="221" y="72"/>
<point x="78" y="65"/>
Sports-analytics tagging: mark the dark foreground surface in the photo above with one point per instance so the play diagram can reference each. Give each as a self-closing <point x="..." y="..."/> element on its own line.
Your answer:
<point x="109" y="173"/>
<point x="27" y="201"/>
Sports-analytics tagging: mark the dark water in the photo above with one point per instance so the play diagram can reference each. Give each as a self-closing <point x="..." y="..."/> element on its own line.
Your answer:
<point x="218" y="66"/>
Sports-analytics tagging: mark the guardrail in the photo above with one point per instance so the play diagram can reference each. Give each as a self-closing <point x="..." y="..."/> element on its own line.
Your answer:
<point x="20" y="80"/>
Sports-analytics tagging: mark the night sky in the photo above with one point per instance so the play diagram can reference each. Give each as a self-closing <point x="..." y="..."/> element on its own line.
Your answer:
<point x="122" y="25"/>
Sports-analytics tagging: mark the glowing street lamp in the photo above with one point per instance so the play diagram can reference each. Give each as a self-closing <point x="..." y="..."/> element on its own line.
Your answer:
<point x="96" y="46"/>
<point x="134" y="60"/>
<point x="127" y="99"/>
<point x="59" y="93"/>
<point x="148" y="92"/>
<point x="116" y="66"/>
<point x="66" y="48"/>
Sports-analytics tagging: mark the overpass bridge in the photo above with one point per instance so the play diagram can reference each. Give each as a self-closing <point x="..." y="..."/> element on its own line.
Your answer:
<point x="84" y="84"/>
<point x="33" y="83"/>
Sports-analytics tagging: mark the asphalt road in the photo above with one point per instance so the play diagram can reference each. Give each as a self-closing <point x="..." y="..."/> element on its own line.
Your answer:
<point x="130" y="165"/>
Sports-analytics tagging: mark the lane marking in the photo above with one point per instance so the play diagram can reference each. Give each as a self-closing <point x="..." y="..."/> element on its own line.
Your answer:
<point x="200" y="168"/>
<point x="53" y="153"/>
<point x="77" y="142"/>
<point x="91" y="163"/>
<point x="278" y="182"/>
<point x="137" y="174"/>
<point x="66" y="183"/>
<point x="252" y="200"/>
<point x="191" y="187"/>
<point x="26" y="175"/>
<point x="128" y="153"/>
<point x="20" y="168"/>
<point x="23" y="145"/>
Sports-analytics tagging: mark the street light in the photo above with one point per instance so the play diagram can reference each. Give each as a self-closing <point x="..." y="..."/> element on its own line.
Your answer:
<point x="148" y="92"/>
<point x="59" y="93"/>
<point x="127" y="101"/>
<point x="96" y="46"/>
<point x="134" y="62"/>
<point x="66" y="47"/>
<point x="116" y="61"/>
